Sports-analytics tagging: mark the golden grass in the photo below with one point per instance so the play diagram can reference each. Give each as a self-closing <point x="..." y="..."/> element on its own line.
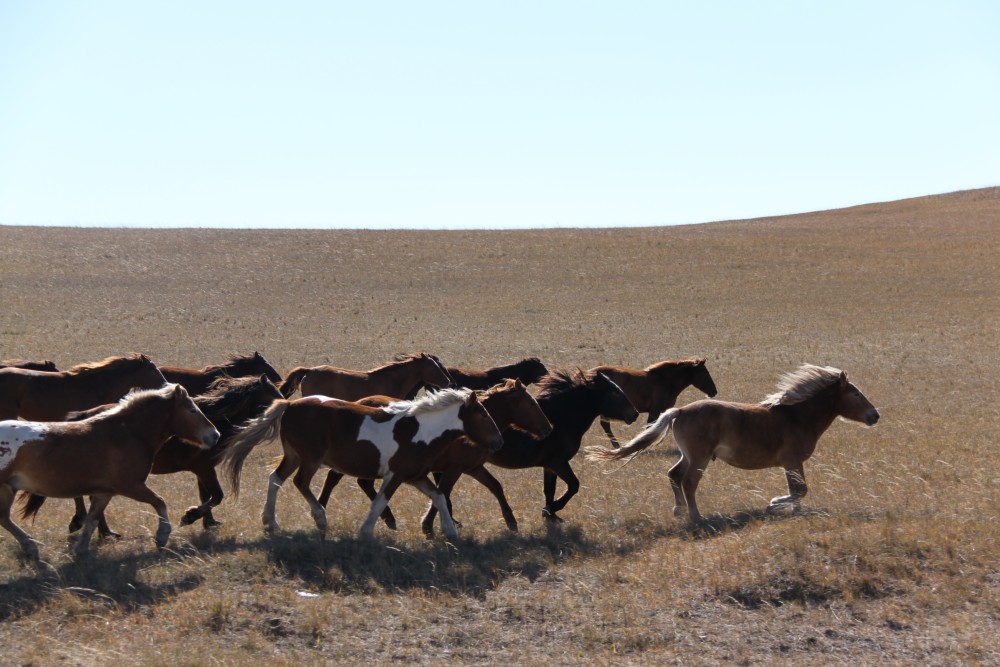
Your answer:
<point x="894" y="561"/>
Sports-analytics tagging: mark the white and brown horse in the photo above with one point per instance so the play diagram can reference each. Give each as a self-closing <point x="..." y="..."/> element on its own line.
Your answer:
<point x="104" y="456"/>
<point x="780" y="431"/>
<point x="398" y="443"/>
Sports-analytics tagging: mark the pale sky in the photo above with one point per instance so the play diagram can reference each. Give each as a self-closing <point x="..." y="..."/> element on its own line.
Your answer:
<point x="488" y="115"/>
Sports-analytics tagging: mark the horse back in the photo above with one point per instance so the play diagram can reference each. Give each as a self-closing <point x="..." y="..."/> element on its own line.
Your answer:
<point x="195" y="381"/>
<point x="745" y="435"/>
<point x="327" y="432"/>
<point x="639" y="386"/>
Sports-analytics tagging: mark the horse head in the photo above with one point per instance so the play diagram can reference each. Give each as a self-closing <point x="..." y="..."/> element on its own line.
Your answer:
<point x="853" y="405"/>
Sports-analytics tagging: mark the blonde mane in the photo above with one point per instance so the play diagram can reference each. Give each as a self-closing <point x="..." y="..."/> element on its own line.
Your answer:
<point x="802" y="384"/>
<point x="106" y="364"/>
<point x="433" y="401"/>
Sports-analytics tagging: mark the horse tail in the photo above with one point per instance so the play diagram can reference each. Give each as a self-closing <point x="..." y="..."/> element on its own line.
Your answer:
<point x="261" y="429"/>
<point x="652" y="434"/>
<point x="30" y="504"/>
<point x="292" y="381"/>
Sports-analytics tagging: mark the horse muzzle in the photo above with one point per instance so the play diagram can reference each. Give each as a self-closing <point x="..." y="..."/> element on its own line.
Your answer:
<point x="872" y="417"/>
<point x="209" y="439"/>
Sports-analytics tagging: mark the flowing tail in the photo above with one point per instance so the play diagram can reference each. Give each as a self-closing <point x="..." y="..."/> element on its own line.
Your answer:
<point x="261" y="429"/>
<point x="292" y="381"/>
<point x="650" y="435"/>
<point x="30" y="504"/>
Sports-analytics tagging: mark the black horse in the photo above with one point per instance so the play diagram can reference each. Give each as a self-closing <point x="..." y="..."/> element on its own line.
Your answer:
<point x="197" y="382"/>
<point x="48" y="366"/>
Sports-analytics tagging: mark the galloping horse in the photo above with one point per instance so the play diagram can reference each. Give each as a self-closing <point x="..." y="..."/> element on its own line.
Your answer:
<point x="46" y="365"/>
<point x="107" y="455"/>
<point x="198" y="382"/>
<point x="511" y="406"/>
<point x="228" y="403"/>
<point x="780" y="431"/>
<point x="655" y="388"/>
<point x="571" y="402"/>
<point x="397" y="443"/>
<point x="528" y="371"/>
<point x="397" y="379"/>
<point x="49" y="396"/>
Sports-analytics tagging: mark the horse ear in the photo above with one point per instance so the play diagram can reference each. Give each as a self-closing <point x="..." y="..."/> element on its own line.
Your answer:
<point x="843" y="377"/>
<point x="518" y="384"/>
<point x="263" y="378"/>
<point x="699" y="362"/>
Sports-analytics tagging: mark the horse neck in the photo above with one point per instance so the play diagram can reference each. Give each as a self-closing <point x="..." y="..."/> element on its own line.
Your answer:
<point x="817" y="412"/>
<point x="572" y="410"/>
<point x="147" y="422"/>
<point x="499" y="407"/>
<point x="399" y="378"/>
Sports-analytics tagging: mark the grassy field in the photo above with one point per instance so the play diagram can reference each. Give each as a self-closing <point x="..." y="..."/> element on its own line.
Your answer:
<point x="896" y="559"/>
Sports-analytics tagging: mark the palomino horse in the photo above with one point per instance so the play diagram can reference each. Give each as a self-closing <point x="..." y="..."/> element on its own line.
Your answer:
<point x="780" y="431"/>
<point x="107" y="455"/>
<point x="571" y="402"/>
<point x="655" y="388"/>
<point x="397" y="443"/>
<point x="46" y="365"/>
<point x="397" y="379"/>
<point x="49" y="396"/>
<point x="229" y="403"/>
<point x="511" y="406"/>
<point x="198" y="382"/>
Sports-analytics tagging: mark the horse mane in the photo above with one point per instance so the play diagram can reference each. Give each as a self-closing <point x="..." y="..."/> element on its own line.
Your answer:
<point x="232" y="360"/>
<point x="432" y="401"/>
<point x="227" y="395"/>
<point x="802" y="384"/>
<point x="662" y="366"/>
<point x="560" y="381"/>
<point x="397" y="359"/>
<point x="107" y="364"/>
<point x="499" y="388"/>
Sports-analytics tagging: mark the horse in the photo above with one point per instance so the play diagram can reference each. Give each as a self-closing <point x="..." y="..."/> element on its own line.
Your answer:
<point x="397" y="443"/>
<point x="782" y="431"/>
<point x="50" y="395"/>
<point x="656" y="388"/>
<point x="397" y="378"/>
<point x="571" y="402"/>
<point x="228" y="403"/>
<point x="45" y="365"/>
<point x="511" y="406"/>
<point x="104" y="456"/>
<point x="198" y="382"/>
<point x="528" y="371"/>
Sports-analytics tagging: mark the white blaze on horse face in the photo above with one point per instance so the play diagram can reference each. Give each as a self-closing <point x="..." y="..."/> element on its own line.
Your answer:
<point x="13" y="434"/>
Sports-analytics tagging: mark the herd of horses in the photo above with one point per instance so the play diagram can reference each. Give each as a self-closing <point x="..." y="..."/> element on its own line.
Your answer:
<point x="99" y="429"/>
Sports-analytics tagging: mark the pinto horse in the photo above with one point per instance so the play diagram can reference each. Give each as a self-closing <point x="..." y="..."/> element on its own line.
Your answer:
<point x="51" y="395"/>
<point x="780" y="431"/>
<point x="656" y="388"/>
<point x="571" y="402"/>
<point x="228" y="403"/>
<point x="397" y="379"/>
<point x="397" y="443"/>
<point x="106" y="455"/>
<point x="46" y="365"/>
<point x="198" y="382"/>
<point x="511" y="406"/>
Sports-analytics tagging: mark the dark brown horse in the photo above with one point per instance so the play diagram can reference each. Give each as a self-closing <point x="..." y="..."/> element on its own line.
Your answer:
<point x="50" y="396"/>
<point x="571" y="402"/>
<point x="46" y="365"/>
<point x="197" y="382"/>
<point x="528" y="371"/>
<point x="511" y="406"/>
<point x="656" y="388"/>
<point x="397" y="443"/>
<point x="228" y="404"/>
<point x="107" y="455"/>
<point x="781" y="431"/>
<point x="397" y="379"/>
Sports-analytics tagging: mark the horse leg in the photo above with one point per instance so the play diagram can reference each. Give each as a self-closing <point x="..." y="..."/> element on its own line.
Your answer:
<point x="76" y="523"/>
<point x="689" y="484"/>
<point x="143" y="494"/>
<point x="302" y="479"/>
<point x="98" y="503"/>
<point x="549" y="487"/>
<point x="277" y="477"/>
<point x="606" y="425"/>
<point x="28" y="545"/>
<point x="389" y="485"/>
<point x="444" y="483"/>
<point x="368" y="486"/>
<point x="437" y="482"/>
<point x="484" y="477"/>
<point x="438" y="500"/>
<point x="210" y="493"/>
<point x="676" y="475"/>
<point x="332" y="479"/>
<point x="565" y="472"/>
<point x="797" y="489"/>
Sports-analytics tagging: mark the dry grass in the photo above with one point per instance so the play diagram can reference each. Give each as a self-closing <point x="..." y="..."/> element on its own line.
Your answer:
<point x="896" y="560"/>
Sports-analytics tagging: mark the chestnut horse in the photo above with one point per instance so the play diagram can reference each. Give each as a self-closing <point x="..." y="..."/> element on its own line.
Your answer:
<point x="511" y="406"/>
<point x="397" y="379"/>
<point x="51" y="395"/>
<point x="198" y="382"/>
<point x="655" y="388"/>
<point x="397" y="443"/>
<point x="229" y="403"/>
<point x="46" y="365"/>
<point x="107" y="455"/>
<point x="780" y="431"/>
<point x="571" y="402"/>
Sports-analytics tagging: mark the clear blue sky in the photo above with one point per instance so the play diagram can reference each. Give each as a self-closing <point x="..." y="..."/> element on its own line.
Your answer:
<point x="472" y="114"/>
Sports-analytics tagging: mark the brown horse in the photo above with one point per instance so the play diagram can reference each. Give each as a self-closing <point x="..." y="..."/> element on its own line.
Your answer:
<point x="49" y="396"/>
<point x="655" y="388"/>
<point x="228" y="403"/>
<point x="397" y="443"/>
<point x="511" y="406"/>
<point x="397" y="379"/>
<point x="46" y="365"/>
<point x="107" y="455"/>
<point x="780" y="431"/>
<point x="199" y="382"/>
<point x="528" y="371"/>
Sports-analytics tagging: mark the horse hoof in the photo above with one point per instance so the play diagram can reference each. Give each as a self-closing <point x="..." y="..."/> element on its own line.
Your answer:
<point x="512" y="526"/>
<point x="211" y="523"/>
<point x="109" y="534"/>
<point x="391" y="525"/>
<point x="549" y="515"/>
<point x="75" y="524"/>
